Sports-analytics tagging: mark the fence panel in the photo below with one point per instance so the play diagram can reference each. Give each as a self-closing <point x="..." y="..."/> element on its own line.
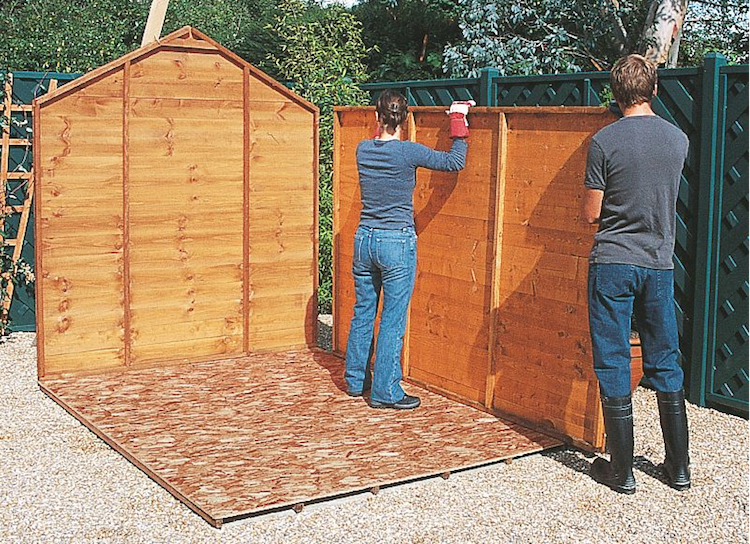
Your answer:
<point x="711" y="264"/>
<point x="727" y="382"/>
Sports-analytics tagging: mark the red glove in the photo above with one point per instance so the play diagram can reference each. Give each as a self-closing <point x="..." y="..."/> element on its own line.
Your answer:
<point x="457" y="113"/>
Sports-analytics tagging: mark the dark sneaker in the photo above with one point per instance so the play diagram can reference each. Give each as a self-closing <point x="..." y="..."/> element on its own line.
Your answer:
<point x="406" y="403"/>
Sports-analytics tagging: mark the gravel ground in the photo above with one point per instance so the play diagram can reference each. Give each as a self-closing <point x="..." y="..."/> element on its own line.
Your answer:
<point x="60" y="483"/>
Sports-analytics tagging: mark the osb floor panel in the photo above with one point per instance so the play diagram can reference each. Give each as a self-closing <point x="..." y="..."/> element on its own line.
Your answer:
<point x="241" y="436"/>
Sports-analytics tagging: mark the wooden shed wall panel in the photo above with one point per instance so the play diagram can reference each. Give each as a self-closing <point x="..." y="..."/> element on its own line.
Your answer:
<point x="109" y="85"/>
<point x="80" y="140"/>
<point x="543" y="364"/>
<point x="172" y="74"/>
<point x="449" y="322"/>
<point x="282" y="304"/>
<point x="353" y="127"/>
<point x="186" y="221"/>
<point x="538" y="338"/>
<point x="260" y="91"/>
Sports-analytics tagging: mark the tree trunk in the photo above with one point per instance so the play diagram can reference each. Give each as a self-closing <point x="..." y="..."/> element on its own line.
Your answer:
<point x="674" y="51"/>
<point x="621" y="38"/>
<point x="664" y="22"/>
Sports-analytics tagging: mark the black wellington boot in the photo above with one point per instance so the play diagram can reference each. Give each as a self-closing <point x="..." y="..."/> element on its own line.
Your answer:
<point x="674" y="428"/>
<point x="618" y="424"/>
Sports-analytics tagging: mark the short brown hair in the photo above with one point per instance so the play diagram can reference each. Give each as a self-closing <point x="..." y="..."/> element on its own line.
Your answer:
<point x="391" y="108"/>
<point x="633" y="80"/>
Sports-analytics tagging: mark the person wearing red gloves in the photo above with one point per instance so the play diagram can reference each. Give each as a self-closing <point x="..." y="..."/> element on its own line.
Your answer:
<point x="385" y="246"/>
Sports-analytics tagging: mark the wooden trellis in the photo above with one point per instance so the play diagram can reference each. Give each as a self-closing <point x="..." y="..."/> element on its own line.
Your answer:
<point x="8" y="109"/>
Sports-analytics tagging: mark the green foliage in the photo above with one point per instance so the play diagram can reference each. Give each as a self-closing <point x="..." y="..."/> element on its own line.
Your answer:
<point x="407" y="37"/>
<point x="239" y="25"/>
<point x="321" y="51"/>
<point x="521" y="37"/>
<point x="719" y="26"/>
<point x="65" y="36"/>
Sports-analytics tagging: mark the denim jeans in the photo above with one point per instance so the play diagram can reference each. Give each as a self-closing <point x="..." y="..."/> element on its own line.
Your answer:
<point x="383" y="260"/>
<point x="616" y="292"/>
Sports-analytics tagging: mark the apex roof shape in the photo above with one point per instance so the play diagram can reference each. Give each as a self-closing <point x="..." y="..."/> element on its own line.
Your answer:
<point x="187" y="39"/>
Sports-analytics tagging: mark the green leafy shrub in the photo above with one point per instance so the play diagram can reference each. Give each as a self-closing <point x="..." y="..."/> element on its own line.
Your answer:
<point x="321" y="51"/>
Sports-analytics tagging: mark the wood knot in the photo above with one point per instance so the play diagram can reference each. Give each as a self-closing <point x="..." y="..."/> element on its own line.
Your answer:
<point x="63" y="284"/>
<point x="63" y="324"/>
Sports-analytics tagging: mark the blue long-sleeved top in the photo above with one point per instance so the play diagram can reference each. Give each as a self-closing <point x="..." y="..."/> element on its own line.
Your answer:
<point x="387" y="175"/>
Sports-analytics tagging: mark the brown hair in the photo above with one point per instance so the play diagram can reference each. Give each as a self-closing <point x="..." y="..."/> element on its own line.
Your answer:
<point x="633" y="80"/>
<point x="391" y="108"/>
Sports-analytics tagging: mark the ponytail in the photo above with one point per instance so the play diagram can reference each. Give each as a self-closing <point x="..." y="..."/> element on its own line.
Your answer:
<point x="392" y="108"/>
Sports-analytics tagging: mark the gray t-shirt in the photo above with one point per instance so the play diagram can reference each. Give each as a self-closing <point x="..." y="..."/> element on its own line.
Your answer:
<point x="387" y="175"/>
<point x="637" y="162"/>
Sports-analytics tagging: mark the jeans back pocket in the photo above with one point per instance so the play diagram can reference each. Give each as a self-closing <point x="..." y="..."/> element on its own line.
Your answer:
<point x="391" y="252"/>
<point x="615" y="280"/>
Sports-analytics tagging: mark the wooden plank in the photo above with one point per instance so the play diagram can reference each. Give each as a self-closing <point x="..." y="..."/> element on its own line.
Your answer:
<point x="205" y="328"/>
<point x="445" y="386"/>
<point x="72" y="363"/>
<point x="38" y="259"/>
<point x="203" y="347"/>
<point x="173" y="74"/>
<point x="5" y="149"/>
<point x="246" y="210"/>
<point x="497" y="244"/>
<point x="155" y="21"/>
<point x="126" y="279"/>
<point x="187" y="246"/>
<point x="20" y="175"/>
<point x="82" y="283"/>
<point x="457" y="361"/>
<point x="411" y="134"/>
<point x="542" y="368"/>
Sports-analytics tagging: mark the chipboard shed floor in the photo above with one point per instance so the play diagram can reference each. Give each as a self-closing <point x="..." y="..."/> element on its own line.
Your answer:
<point x="238" y="437"/>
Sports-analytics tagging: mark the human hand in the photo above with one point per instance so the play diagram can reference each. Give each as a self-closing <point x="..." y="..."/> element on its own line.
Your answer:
<point x="458" y="111"/>
<point x="461" y="106"/>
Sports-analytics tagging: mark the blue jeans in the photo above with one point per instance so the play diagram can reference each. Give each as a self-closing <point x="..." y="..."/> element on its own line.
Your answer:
<point x="616" y="292"/>
<point x="387" y="260"/>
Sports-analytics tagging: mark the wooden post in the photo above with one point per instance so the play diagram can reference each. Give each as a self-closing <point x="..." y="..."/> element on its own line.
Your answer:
<point x="497" y="248"/>
<point x="155" y="21"/>
<point x="5" y="151"/>
<point x="412" y="128"/>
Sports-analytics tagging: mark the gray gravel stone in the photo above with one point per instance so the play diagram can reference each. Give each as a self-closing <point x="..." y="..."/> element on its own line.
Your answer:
<point x="60" y="483"/>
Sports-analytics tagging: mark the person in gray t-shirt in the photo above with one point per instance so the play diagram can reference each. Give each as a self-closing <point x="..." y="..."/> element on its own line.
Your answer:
<point x="632" y="180"/>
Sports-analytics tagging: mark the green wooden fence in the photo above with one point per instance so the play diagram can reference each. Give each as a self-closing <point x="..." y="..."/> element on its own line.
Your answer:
<point x="710" y="104"/>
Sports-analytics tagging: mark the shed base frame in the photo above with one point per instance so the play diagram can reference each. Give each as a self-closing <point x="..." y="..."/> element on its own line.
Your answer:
<point x="239" y="437"/>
